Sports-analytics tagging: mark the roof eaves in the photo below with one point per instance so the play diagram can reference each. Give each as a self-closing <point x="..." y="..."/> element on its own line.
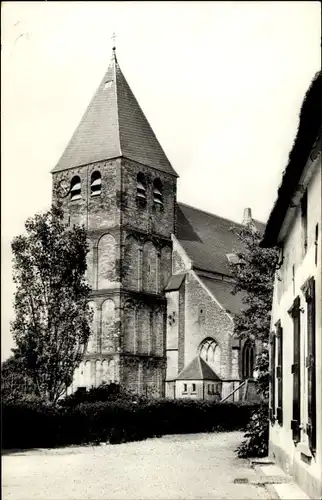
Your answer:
<point x="116" y="99"/>
<point x="309" y="130"/>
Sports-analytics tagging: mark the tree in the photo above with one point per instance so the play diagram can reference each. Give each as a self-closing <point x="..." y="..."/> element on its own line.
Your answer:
<point x="254" y="278"/>
<point x="254" y="275"/>
<point x="52" y="317"/>
<point x="15" y="383"/>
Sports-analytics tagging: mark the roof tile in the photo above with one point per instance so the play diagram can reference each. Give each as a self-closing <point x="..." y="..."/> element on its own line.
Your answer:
<point x="208" y="238"/>
<point x="114" y="125"/>
<point x="198" y="369"/>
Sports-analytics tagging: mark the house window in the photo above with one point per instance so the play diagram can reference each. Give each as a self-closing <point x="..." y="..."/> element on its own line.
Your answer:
<point x="316" y="239"/>
<point x="304" y="221"/>
<point x="272" y="358"/>
<point x="211" y="389"/>
<point x="185" y="388"/>
<point x="296" y="370"/>
<point x="309" y="290"/>
<point x="75" y="188"/>
<point x="207" y="350"/>
<point x="141" y="190"/>
<point x="157" y="194"/>
<point x="279" y="373"/>
<point x="248" y="360"/>
<point x="193" y="387"/>
<point x="96" y="184"/>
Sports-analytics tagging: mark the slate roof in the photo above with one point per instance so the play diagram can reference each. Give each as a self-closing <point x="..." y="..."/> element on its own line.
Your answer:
<point x="207" y="238"/>
<point x="307" y="142"/>
<point x="114" y="125"/>
<point x="197" y="369"/>
<point x="222" y="292"/>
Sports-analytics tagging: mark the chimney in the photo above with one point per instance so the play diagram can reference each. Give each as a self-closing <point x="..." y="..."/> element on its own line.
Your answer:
<point x="247" y="216"/>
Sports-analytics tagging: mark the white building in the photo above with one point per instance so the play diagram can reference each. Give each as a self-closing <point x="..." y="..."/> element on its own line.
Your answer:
<point x="294" y="225"/>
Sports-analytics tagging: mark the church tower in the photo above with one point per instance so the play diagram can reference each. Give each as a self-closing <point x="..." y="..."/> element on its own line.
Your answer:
<point x="114" y="178"/>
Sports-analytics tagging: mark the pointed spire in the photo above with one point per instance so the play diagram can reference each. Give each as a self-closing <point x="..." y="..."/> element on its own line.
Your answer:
<point x="112" y="126"/>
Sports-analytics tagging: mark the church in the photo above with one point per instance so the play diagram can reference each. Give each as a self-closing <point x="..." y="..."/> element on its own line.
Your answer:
<point x="159" y="270"/>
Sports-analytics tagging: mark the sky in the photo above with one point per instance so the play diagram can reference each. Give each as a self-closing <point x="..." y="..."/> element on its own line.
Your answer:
<point x="221" y="84"/>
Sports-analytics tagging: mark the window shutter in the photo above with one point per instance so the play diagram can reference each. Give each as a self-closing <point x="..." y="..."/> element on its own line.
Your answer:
<point x="272" y="377"/>
<point x="310" y="363"/>
<point x="279" y="374"/>
<point x="296" y="371"/>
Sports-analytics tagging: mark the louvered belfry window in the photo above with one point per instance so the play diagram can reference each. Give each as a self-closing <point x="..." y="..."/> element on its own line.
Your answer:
<point x="296" y="370"/>
<point x="279" y="373"/>
<point x="309" y="291"/>
<point x="75" y="188"/>
<point x="141" y="189"/>
<point x="96" y="184"/>
<point x="272" y="376"/>
<point x="158" y="194"/>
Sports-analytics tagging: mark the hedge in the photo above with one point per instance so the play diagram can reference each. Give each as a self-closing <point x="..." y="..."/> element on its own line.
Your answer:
<point x="32" y="424"/>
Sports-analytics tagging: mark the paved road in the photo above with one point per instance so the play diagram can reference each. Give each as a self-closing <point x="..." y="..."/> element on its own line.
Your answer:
<point x="197" y="466"/>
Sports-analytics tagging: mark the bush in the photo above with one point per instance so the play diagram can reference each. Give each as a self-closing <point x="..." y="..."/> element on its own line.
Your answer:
<point x="29" y="424"/>
<point x="104" y="392"/>
<point x="256" y="442"/>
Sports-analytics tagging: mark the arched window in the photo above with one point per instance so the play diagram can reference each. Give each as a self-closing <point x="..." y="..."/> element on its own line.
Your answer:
<point x="207" y="351"/>
<point x="96" y="184"/>
<point x="157" y="193"/>
<point x="248" y="361"/>
<point x="141" y="189"/>
<point x="75" y="188"/>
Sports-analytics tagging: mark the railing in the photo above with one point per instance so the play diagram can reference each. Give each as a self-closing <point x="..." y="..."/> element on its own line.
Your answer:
<point x="244" y="383"/>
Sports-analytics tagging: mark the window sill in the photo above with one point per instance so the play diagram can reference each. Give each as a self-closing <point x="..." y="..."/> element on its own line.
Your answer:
<point x="304" y="449"/>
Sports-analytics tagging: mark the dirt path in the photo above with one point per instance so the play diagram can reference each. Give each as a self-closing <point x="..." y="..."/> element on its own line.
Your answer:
<point x="197" y="466"/>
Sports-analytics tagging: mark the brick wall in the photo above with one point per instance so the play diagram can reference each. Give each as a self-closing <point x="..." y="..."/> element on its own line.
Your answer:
<point x="180" y="261"/>
<point x="147" y="218"/>
<point x="130" y="251"/>
<point x="95" y="212"/>
<point x="214" y="323"/>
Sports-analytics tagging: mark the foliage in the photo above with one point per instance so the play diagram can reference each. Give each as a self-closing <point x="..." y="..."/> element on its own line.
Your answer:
<point x="254" y="275"/>
<point x="28" y="424"/>
<point x="15" y="383"/>
<point x="255" y="443"/>
<point x="255" y="279"/>
<point x="52" y="316"/>
<point x="104" y="392"/>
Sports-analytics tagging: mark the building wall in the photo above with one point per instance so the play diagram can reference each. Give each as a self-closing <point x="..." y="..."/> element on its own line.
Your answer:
<point x="184" y="389"/>
<point x="147" y="219"/>
<point x="172" y="336"/>
<point x="297" y="267"/>
<point x="204" y="318"/>
<point x="180" y="261"/>
<point x="145" y="270"/>
<point x="198" y="389"/>
<point x="128" y="265"/>
<point x="197" y="316"/>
